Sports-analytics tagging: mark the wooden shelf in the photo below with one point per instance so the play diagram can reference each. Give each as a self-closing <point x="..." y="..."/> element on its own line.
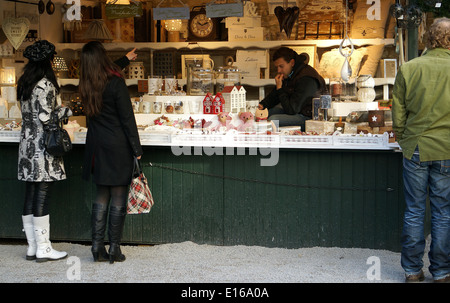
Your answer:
<point x="249" y="82"/>
<point x="75" y="82"/>
<point x="152" y="46"/>
<point x="226" y="45"/>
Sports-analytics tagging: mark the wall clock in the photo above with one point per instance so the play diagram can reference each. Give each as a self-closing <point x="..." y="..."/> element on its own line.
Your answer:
<point x="201" y="28"/>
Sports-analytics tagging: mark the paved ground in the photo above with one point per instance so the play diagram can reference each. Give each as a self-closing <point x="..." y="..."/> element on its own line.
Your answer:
<point x="188" y="262"/>
<point x="182" y="272"/>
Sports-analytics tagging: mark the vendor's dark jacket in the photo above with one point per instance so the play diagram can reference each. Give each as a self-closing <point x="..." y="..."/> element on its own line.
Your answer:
<point x="112" y="140"/>
<point x="297" y="90"/>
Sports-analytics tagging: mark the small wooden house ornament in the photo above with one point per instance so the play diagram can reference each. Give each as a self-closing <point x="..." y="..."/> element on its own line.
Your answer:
<point x="218" y="103"/>
<point x="213" y="104"/>
<point x="208" y="104"/>
<point x="235" y="98"/>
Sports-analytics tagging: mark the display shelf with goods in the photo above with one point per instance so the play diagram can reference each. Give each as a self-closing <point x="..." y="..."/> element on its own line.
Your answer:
<point x="154" y="136"/>
<point x="207" y="46"/>
<point x="262" y="84"/>
<point x="250" y="82"/>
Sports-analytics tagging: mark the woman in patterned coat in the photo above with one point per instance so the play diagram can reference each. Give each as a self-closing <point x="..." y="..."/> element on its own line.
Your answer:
<point x="37" y="90"/>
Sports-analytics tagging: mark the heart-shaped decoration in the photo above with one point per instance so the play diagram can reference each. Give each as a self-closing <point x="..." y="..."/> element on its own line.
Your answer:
<point x="279" y="12"/>
<point x="286" y="18"/>
<point x="16" y="30"/>
<point x="290" y="19"/>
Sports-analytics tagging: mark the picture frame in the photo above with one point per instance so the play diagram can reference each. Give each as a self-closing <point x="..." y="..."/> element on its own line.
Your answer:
<point x="308" y="50"/>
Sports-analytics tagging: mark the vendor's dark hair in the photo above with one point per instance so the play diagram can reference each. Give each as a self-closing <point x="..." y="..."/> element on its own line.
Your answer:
<point x="96" y="69"/>
<point x="33" y="72"/>
<point x="284" y="52"/>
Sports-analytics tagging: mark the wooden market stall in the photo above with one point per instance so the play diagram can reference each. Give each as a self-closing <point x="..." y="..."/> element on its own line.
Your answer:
<point x="325" y="190"/>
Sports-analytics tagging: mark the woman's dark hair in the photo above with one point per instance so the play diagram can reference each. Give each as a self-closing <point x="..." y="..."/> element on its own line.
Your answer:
<point x="284" y="52"/>
<point x="96" y="69"/>
<point x="33" y="72"/>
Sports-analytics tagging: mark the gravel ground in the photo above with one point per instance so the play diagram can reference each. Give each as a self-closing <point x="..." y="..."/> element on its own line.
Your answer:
<point x="188" y="262"/>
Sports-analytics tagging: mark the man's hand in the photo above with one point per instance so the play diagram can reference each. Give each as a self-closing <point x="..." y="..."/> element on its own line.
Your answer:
<point x="260" y="106"/>
<point x="132" y="55"/>
<point x="279" y="80"/>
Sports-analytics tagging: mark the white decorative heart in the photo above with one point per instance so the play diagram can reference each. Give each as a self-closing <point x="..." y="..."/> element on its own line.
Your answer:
<point x="16" y="30"/>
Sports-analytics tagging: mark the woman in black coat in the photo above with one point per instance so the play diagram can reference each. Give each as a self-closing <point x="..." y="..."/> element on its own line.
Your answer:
<point x="112" y="143"/>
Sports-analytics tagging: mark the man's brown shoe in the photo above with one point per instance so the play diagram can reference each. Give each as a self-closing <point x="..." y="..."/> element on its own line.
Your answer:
<point x="415" y="278"/>
<point x="445" y="279"/>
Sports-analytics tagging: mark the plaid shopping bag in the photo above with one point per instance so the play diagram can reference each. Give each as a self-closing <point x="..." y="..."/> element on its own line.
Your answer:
<point x="140" y="199"/>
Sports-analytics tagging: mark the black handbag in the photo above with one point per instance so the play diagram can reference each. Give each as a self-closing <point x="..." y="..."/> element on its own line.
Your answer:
<point x="56" y="138"/>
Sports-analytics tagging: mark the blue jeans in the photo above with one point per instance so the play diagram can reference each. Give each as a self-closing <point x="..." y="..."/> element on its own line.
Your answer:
<point x="430" y="178"/>
<point x="277" y="113"/>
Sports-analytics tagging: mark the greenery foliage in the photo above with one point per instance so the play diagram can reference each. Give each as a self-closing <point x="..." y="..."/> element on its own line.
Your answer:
<point x="429" y="6"/>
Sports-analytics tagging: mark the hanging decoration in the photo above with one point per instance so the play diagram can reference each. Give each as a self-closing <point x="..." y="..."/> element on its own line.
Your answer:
<point x="50" y="7"/>
<point x="346" y="70"/>
<point x="121" y="11"/>
<point x="41" y="7"/>
<point x="409" y="16"/>
<point x="168" y="13"/>
<point x="16" y="29"/>
<point x="216" y="10"/>
<point x="286" y="18"/>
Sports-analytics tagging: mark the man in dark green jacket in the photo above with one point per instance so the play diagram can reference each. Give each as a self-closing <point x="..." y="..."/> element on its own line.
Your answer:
<point x="421" y="119"/>
<point x="296" y="84"/>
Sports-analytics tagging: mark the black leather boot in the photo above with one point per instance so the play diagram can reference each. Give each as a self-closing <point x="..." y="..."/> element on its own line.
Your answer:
<point x="116" y="223"/>
<point x="99" y="213"/>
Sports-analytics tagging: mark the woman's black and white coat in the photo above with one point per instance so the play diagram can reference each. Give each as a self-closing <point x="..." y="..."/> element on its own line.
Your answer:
<point x="35" y="164"/>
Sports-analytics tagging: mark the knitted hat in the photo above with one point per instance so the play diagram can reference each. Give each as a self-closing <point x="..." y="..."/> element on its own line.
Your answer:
<point x="39" y="51"/>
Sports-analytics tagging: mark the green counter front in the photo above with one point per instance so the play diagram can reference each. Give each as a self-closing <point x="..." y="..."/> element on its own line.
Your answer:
<point x="311" y="197"/>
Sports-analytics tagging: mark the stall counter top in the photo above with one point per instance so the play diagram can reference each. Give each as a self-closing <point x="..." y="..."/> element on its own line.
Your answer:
<point x="179" y="140"/>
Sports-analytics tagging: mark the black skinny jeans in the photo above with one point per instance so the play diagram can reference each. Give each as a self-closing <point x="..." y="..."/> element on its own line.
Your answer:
<point x="37" y="199"/>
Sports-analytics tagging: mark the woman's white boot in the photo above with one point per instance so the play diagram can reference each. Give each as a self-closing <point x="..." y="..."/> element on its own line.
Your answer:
<point x="45" y="252"/>
<point x="31" y="238"/>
